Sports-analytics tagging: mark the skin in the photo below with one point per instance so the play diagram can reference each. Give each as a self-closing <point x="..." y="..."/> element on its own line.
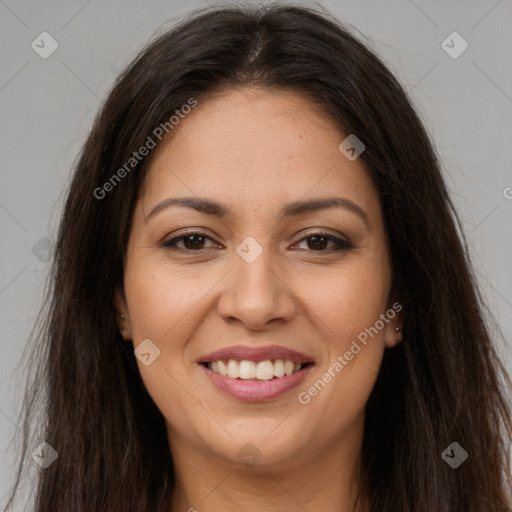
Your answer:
<point x="254" y="151"/>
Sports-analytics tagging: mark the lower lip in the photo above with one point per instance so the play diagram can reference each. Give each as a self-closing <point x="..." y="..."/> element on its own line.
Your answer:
<point x="256" y="390"/>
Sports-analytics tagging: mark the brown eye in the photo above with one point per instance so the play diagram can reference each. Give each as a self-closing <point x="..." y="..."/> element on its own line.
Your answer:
<point x="318" y="242"/>
<point x="191" y="242"/>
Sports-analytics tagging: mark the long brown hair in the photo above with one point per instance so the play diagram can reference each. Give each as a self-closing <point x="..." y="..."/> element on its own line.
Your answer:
<point x="443" y="383"/>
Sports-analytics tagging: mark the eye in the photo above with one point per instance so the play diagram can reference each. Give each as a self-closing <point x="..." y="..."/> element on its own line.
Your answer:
<point x="317" y="242"/>
<point x="192" y="241"/>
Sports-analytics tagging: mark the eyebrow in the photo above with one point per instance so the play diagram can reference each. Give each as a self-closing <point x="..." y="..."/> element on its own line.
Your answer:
<point x="296" y="208"/>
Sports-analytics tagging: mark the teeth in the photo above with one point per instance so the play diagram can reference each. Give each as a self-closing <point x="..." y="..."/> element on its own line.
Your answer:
<point x="246" y="370"/>
<point x="233" y="369"/>
<point x="279" y="368"/>
<point x="222" y="368"/>
<point x="262" y="370"/>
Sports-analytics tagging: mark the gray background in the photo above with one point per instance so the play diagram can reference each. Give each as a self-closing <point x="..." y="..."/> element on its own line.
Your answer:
<point x="48" y="105"/>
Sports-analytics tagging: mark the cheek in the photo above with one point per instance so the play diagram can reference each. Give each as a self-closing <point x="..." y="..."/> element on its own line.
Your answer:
<point x="164" y="304"/>
<point x="346" y="307"/>
<point x="163" y="301"/>
<point x="346" y="301"/>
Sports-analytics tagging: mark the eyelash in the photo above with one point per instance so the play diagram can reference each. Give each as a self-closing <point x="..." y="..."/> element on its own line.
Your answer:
<point x="340" y="244"/>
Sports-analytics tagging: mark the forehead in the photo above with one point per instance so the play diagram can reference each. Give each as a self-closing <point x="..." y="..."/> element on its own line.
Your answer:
<point x="252" y="148"/>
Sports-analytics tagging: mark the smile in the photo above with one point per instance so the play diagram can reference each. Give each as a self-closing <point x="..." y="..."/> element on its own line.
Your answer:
<point x="253" y="370"/>
<point x="254" y="389"/>
<point x="255" y="374"/>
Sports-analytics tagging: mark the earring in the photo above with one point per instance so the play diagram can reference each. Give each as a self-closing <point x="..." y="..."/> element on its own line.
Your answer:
<point x="123" y="316"/>
<point x="397" y="338"/>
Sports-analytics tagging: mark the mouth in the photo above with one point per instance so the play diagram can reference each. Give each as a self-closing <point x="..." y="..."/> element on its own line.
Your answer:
<point x="256" y="374"/>
<point x="255" y="370"/>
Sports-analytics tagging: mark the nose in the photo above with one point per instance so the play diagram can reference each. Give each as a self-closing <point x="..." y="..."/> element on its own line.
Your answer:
<point x="256" y="294"/>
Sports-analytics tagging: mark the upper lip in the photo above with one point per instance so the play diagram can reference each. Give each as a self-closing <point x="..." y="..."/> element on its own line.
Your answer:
<point x="256" y="354"/>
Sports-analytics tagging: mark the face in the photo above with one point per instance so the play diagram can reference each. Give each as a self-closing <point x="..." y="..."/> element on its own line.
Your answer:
<point x="274" y="279"/>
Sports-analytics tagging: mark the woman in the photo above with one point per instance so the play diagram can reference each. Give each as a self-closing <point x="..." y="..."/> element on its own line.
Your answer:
<point x="259" y="297"/>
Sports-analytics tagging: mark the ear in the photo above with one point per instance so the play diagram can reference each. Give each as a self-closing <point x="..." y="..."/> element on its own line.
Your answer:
<point x="393" y="332"/>
<point x="122" y="314"/>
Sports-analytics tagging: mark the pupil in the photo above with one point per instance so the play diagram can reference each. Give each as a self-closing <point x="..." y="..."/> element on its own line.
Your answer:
<point x="194" y="244"/>
<point x="316" y="239"/>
